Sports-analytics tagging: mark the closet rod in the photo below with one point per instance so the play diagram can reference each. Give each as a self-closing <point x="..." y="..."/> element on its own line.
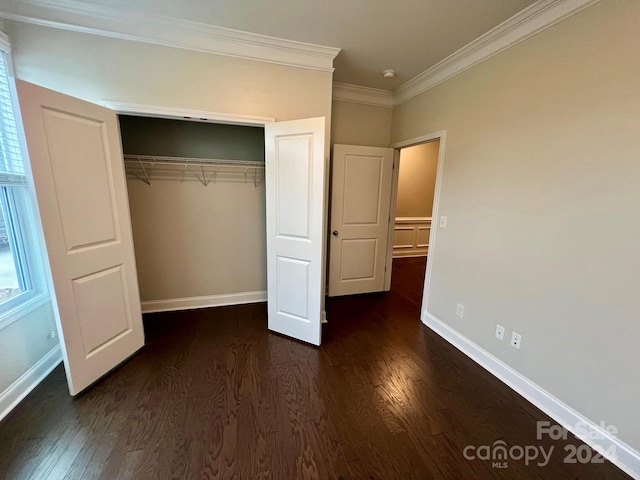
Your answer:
<point x="187" y="161"/>
<point x="146" y="167"/>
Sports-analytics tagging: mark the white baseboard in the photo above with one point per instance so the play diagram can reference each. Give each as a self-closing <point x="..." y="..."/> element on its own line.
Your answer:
<point x="28" y="381"/>
<point x="595" y="436"/>
<point x="189" y="303"/>
<point x="323" y="316"/>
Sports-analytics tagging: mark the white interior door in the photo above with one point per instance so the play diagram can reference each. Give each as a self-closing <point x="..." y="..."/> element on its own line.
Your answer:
<point x="360" y="200"/>
<point x="295" y="190"/>
<point x="76" y="159"/>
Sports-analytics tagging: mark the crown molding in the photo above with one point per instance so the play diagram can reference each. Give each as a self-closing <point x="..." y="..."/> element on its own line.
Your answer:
<point x="528" y="22"/>
<point x="77" y="16"/>
<point x="170" y="32"/>
<point x="346" y="92"/>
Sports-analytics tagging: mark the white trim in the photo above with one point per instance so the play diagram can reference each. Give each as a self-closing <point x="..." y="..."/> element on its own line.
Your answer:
<point x="345" y="92"/>
<point x="431" y="137"/>
<point x="404" y="220"/>
<point x="111" y="22"/>
<point x="24" y="308"/>
<point x="528" y="22"/>
<point x="29" y="380"/>
<point x="189" y="303"/>
<point x="423" y="253"/>
<point x="392" y="214"/>
<point x="626" y="459"/>
<point x="183" y="113"/>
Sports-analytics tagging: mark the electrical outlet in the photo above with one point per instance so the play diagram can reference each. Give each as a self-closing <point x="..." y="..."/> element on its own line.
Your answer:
<point x="443" y="222"/>
<point x="516" y="338"/>
<point x="460" y="310"/>
<point x="499" y="332"/>
<point x="52" y="335"/>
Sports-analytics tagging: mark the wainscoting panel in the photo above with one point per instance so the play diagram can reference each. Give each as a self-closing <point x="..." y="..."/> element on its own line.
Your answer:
<point x="411" y="236"/>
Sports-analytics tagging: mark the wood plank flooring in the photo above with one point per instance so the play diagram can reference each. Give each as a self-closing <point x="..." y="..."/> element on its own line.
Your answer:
<point x="214" y="395"/>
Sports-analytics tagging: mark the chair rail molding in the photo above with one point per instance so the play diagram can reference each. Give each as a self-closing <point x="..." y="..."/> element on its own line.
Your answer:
<point x="108" y="21"/>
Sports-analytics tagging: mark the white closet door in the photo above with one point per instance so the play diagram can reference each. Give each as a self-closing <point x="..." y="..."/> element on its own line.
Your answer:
<point x="76" y="159"/>
<point x="295" y="190"/>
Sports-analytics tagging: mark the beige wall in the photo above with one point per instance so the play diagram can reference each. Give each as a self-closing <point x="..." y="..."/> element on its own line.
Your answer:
<point x="98" y="68"/>
<point x="417" y="180"/>
<point x="193" y="240"/>
<point x="541" y="190"/>
<point x="358" y="124"/>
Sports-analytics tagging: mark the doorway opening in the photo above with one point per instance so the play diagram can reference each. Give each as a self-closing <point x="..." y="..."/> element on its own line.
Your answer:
<point x="414" y="182"/>
<point x="197" y="204"/>
<point x="382" y="204"/>
<point x="428" y="149"/>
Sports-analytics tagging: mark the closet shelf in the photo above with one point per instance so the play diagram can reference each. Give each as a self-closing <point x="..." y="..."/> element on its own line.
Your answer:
<point x="206" y="170"/>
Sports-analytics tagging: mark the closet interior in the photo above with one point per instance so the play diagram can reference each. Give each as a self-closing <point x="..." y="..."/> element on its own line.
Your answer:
<point x="197" y="201"/>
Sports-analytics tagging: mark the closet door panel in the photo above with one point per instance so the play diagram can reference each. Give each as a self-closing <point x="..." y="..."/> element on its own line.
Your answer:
<point x="76" y="160"/>
<point x="295" y="190"/>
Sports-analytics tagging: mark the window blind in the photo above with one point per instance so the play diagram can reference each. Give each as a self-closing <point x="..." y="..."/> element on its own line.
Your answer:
<point x="12" y="170"/>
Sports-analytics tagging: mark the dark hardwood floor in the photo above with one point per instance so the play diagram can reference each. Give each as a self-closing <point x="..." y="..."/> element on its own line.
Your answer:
<point x="214" y="395"/>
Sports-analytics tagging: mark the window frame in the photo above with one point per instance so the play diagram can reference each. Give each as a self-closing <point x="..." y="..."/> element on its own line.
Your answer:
<point x="23" y="224"/>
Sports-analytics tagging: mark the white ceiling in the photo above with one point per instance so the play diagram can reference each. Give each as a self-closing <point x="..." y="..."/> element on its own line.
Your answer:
<point x="408" y="36"/>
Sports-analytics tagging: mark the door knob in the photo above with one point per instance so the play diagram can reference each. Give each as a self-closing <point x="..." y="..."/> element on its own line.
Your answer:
<point x="335" y="233"/>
